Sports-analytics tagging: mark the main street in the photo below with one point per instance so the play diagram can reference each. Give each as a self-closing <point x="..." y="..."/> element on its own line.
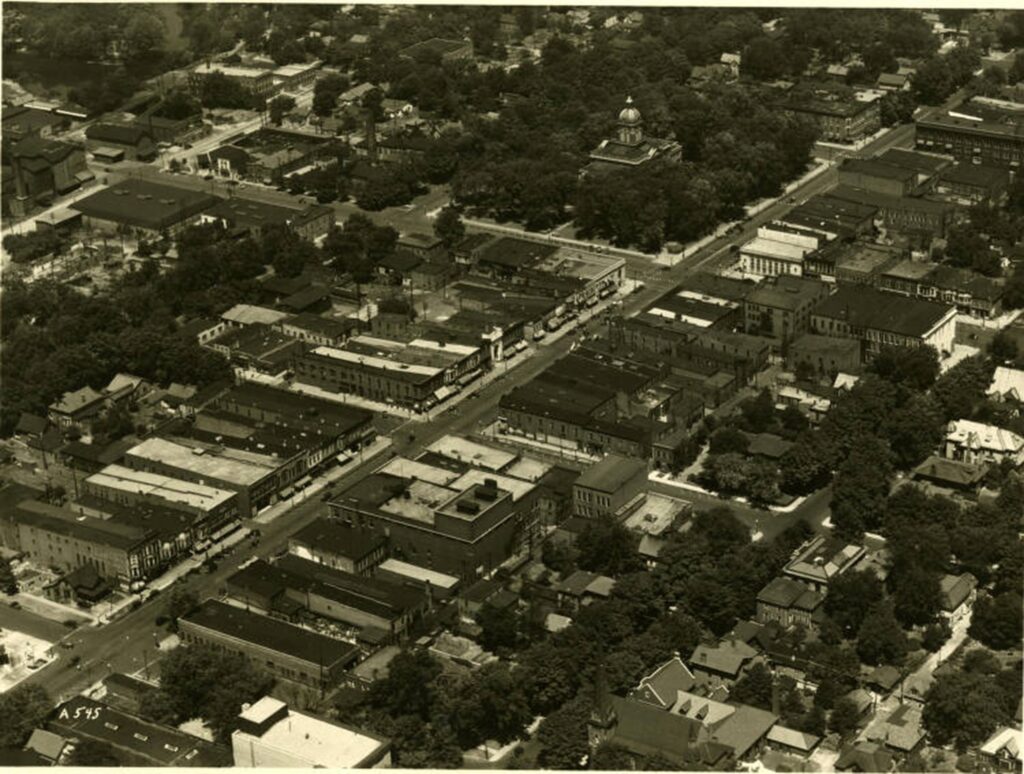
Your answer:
<point x="130" y="642"/>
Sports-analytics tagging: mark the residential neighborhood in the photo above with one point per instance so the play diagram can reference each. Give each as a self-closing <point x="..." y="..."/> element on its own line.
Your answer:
<point x="526" y="387"/>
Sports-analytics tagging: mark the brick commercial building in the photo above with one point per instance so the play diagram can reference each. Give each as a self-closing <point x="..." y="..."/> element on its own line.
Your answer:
<point x="210" y="508"/>
<point x="51" y="536"/>
<point x="250" y="216"/>
<point x="413" y="374"/>
<point x="840" y="120"/>
<point x="258" y="82"/>
<point x="286" y="651"/>
<point x="251" y="475"/>
<point x="339" y="546"/>
<point x="607" y="486"/>
<point x="42" y="168"/>
<point x="781" y="310"/>
<point x="980" y="131"/>
<point x="461" y="508"/>
<point x="878" y="319"/>
<point x="292" y="584"/>
<point x="149" y="208"/>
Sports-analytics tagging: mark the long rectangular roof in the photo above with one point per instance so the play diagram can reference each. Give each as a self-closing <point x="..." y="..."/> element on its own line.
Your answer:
<point x="230" y="465"/>
<point x="144" y="204"/>
<point x="173" y="490"/>
<point x="270" y="633"/>
<point x="864" y="307"/>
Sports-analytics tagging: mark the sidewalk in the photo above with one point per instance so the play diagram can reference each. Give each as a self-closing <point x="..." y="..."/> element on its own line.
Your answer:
<point x="491" y="431"/>
<point x="380" y="445"/>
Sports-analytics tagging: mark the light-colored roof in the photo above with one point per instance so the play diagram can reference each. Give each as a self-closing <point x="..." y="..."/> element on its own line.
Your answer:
<point x="120" y="478"/>
<point x="977" y="435"/>
<point x="790" y="737"/>
<point x="373" y="361"/>
<point x="406" y="468"/>
<point x="70" y="402"/>
<point x="122" y="381"/>
<point x="438" y="579"/>
<point x="1008" y="383"/>
<point x="556" y="623"/>
<point x="1010" y="739"/>
<point x="318" y="743"/>
<point x="247" y="314"/>
<point x="46" y="743"/>
<point x="771" y="248"/>
<point x="458" y="349"/>
<point x="472" y="453"/>
<point x="233" y="466"/>
<point x="230" y="72"/>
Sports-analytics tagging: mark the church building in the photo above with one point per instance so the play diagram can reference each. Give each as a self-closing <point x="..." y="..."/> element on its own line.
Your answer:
<point x="630" y="148"/>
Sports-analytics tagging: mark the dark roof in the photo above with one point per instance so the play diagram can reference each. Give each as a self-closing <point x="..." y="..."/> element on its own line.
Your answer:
<point x="270" y="633"/>
<point x="31" y="424"/>
<point x="786" y="593"/>
<point x="877" y="168"/>
<point x="865" y="757"/>
<point x="651" y="731"/>
<point x="375" y="596"/>
<point x="611" y="473"/>
<point x="144" y="204"/>
<point x="117" y="134"/>
<point x="953" y="472"/>
<point x="89" y="719"/>
<point x="65" y="522"/>
<point x="481" y="591"/>
<point x="864" y="307"/>
<point x="401" y="261"/>
<point x="975" y="175"/>
<point x="339" y="539"/>
<point x="966" y="281"/>
<point x="239" y="157"/>
<point x="103" y="455"/>
<point x="922" y="163"/>
<point x="305" y="298"/>
<point x="516" y="253"/>
<point x="49" y="151"/>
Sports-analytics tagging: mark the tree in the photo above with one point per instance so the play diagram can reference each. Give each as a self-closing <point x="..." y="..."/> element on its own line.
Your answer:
<point x="557" y="556"/>
<point x="827" y="694"/>
<point x="198" y="681"/>
<point x="181" y="602"/>
<point x="727" y="440"/>
<point x="758" y="413"/>
<point x="917" y="597"/>
<point x="860" y="488"/>
<point x="22" y="709"/>
<point x="844" y="716"/>
<point x="933" y="81"/>
<point x="608" y="547"/>
<point x="754" y="688"/>
<point x="916" y="367"/>
<point x="997" y="620"/>
<point x="1003" y="347"/>
<point x="448" y="227"/>
<point x="499" y="625"/>
<point x="793" y="420"/>
<point x="279" y="106"/>
<point x="935" y="636"/>
<point x="850" y="597"/>
<point x="92" y="752"/>
<point x="143" y="35"/>
<point x="489" y="704"/>
<point x="8" y="583"/>
<point x="562" y="736"/>
<point x="959" y="709"/>
<point x="880" y="640"/>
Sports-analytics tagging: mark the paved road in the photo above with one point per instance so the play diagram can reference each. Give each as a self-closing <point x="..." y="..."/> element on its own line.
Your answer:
<point x="126" y="644"/>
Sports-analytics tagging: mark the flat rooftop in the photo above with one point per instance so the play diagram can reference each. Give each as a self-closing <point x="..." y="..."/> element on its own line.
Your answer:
<point x="320" y="743"/>
<point x="120" y="478"/>
<point x="417" y="573"/>
<point x="144" y="204"/>
<point x="208" y="68"/>
<point x="863" y="307"/>
<point x="771" y="248"/>
<point x="657" y="514"/>
<point x="271" y="633"/>
<point x="476" y="454"/>
<point x="611" y="473"/>
<point x="577" y="264"/>
<point x="228" y="465"/>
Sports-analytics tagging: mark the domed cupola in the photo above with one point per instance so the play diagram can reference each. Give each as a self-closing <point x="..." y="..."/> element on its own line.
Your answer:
<point x="630" y="124"/>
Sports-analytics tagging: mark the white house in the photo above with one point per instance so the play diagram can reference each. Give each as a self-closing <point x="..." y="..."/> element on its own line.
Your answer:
<point x="972" y="442"/>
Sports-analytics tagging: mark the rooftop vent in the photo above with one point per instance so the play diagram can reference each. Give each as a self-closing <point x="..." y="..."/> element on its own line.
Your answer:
<point x="467" y="506"/>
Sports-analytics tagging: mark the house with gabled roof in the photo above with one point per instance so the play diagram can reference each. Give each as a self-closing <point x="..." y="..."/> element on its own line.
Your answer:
<point x="1007" y="384"/>
<point x="725" y="660"/>
<point x="661" y="687"/>
<point x="1004" y="749"/>
<point x="73" y="408"/>
<point x="957" y="594"/>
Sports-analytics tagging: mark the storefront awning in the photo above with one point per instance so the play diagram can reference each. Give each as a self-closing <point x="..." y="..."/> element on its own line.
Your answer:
<point x="444" y="393"/>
